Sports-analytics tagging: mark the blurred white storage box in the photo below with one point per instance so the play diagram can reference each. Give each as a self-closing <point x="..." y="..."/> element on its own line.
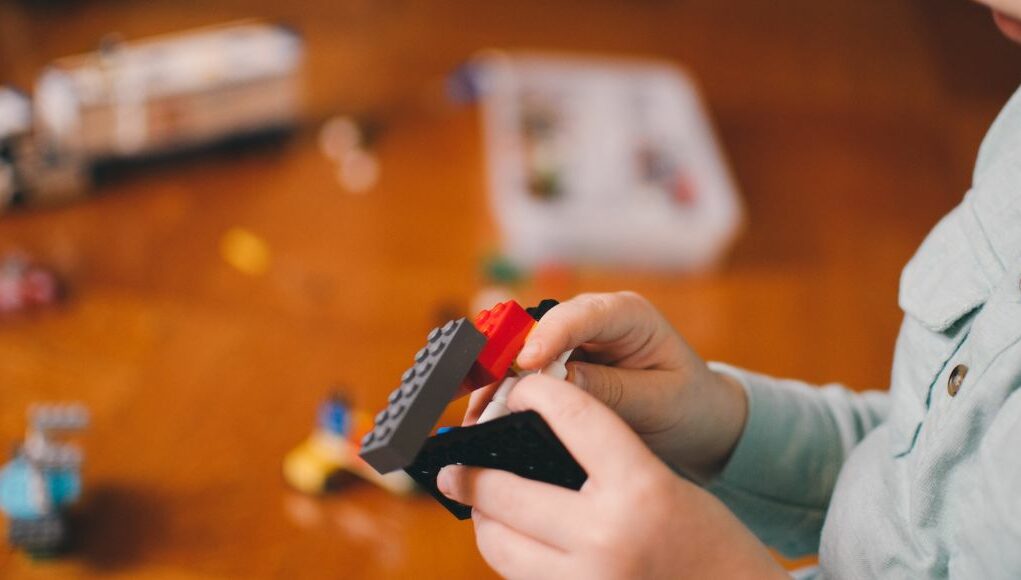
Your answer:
<point x="602" y="162"/>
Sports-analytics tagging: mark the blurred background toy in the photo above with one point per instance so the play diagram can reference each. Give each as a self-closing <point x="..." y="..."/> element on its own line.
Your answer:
<point x="43" y="480"/>
<point x="328" y="458"/>
<point x="15" y="126"/>
<point x="609" y="162"/>
<point x="24" y="284"/>
<point x="348" y="143"/>
<point x="131" y="103"/>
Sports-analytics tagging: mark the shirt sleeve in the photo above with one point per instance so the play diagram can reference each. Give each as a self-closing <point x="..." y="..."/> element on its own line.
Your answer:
<point x="781" y="474"/>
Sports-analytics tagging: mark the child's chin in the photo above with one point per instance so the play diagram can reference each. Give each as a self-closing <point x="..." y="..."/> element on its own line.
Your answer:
<point x="1008" y="25"/>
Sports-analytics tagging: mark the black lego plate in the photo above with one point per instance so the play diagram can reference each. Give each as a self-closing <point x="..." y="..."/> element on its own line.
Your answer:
<point x="521" y="443"/>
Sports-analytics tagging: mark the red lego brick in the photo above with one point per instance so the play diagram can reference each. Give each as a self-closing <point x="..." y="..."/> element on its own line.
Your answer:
<point x="505" y="326"/>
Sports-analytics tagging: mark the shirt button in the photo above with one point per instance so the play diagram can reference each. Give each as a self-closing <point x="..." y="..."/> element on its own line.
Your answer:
<point x="956" y="378"/>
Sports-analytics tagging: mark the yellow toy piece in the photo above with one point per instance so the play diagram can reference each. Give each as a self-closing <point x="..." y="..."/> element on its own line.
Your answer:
<point x="327" y="458"/>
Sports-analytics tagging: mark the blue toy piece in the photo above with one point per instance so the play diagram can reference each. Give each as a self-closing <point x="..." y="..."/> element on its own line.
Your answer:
<point x="18" y="497"/>
<point x="463" y="84"/>
<point x="334" y="416"/>
<point x="42" y="480"/>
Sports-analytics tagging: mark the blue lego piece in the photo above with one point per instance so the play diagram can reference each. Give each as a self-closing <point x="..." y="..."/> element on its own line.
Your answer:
<point x="17" y="498"/>
<point x="463" y="86"/>
<point x="41" y="480"/>
<point x="65" y="486"/>
<point x="15" y="491"/>
<point x="335" y="417"/>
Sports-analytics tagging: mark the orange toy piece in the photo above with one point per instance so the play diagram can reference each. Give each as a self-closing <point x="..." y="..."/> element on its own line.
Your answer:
<point x="505" y="326"/>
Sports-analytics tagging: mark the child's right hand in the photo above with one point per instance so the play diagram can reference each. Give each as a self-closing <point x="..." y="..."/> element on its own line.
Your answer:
<point x="640" y="367"/>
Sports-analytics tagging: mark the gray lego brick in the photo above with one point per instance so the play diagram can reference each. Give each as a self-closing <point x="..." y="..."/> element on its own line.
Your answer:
<point x="425" y="390"/>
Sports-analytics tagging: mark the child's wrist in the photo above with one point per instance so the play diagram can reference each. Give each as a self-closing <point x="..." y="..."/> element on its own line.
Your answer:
<point x="723" y="416"/>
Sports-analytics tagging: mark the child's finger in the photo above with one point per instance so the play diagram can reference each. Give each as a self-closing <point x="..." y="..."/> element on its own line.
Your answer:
<point x="542" y="511"/>
<point x="635" y="395"/>
<point x="515" y="555"/>
<point x="584" y="318"/>
<point x="599" y="440"/>
<point x="477" y="403"/>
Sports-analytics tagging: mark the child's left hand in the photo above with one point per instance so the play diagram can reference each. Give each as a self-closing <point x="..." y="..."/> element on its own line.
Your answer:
<point x="633" y="518"/>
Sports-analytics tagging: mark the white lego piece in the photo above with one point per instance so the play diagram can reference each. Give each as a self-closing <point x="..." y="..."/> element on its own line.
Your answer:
<point x="38" y="493"/>
<point x="44" y="420"/>
<point x="558" y="368"/>
<point x="15" y="113"/>
<point x="497" y="407"/>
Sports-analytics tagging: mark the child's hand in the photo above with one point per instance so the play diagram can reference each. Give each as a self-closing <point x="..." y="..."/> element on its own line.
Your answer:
<point x="633" y="518"/>
<point x="642" y="369"/>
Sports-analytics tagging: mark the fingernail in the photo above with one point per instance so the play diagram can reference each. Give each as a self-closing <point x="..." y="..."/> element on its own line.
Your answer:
<point x="531" y="350"/>
<point x="443" y="481"/>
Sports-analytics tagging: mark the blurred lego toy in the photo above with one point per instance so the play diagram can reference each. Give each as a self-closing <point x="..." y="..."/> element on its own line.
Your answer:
<point x="25" y="285"/>
<point x="501" y="280"/>
<point x="245" y="251"/>
<point x="347" y="143"/>
<point x="131" y="102"/>
<point x="15" y="126"/>
<point x="461" y="356"/>
<point x="42" y="480"/>
<point x="499" y="270"/>
<point x="330" y="454"/>
<point x="600" y="161"/>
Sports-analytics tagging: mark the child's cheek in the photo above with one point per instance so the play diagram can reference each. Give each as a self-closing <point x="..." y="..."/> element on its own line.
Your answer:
<point x="1008" y="25"/>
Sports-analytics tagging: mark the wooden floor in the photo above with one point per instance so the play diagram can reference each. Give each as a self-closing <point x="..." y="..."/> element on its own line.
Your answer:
<point x="851" y="127"/>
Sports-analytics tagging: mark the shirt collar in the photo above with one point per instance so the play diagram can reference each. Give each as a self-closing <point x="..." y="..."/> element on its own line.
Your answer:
<point x="968" y="253"/>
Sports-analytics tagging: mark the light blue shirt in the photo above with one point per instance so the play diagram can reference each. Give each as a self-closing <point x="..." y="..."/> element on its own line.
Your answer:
<point x="923" y="481"/>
